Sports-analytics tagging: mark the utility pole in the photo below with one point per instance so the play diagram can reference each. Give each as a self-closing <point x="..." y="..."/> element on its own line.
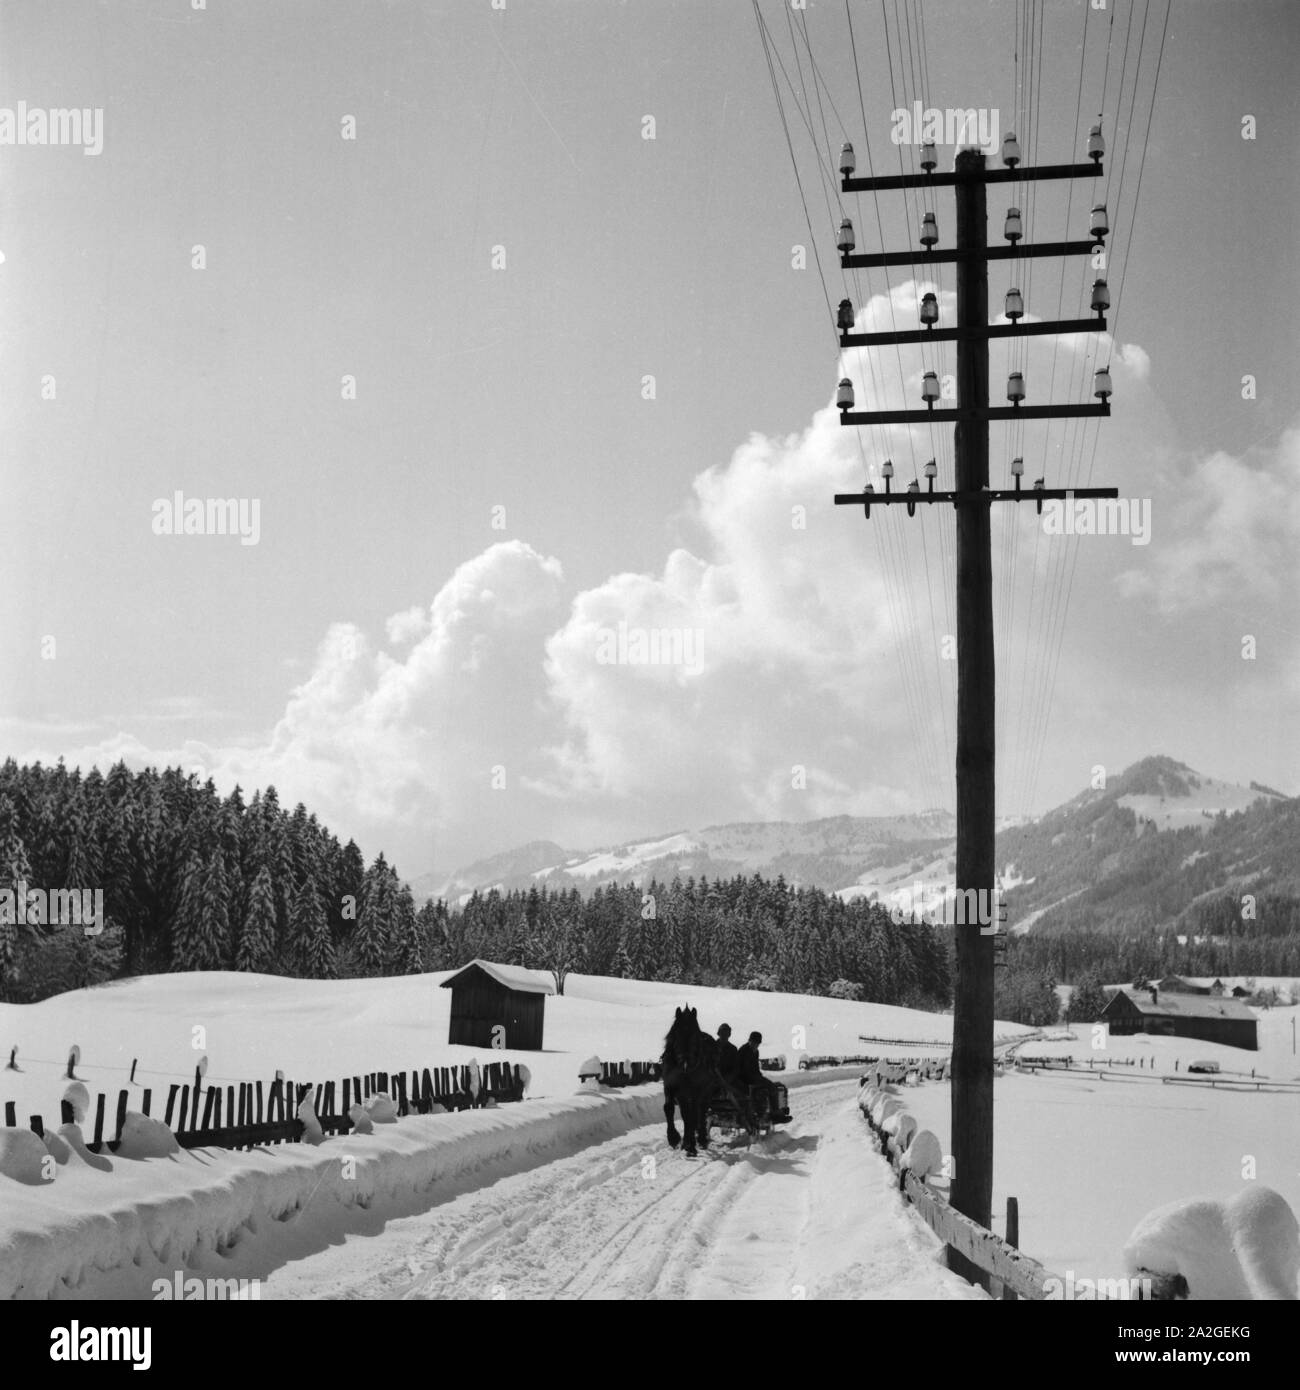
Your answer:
<point x="971" y="497"/>
<point x="972" y="1021"/>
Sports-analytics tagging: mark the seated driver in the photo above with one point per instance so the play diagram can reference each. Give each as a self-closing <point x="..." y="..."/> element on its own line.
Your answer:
<point x="751" y="1074"/>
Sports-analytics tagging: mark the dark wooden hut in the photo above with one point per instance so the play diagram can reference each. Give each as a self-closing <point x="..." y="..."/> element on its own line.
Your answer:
<point x="498" y="1006"/>
<point x="1211" y="1018"/>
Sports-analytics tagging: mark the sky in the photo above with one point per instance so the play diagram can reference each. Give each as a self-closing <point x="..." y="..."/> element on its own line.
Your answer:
<point x="506" y="325"/>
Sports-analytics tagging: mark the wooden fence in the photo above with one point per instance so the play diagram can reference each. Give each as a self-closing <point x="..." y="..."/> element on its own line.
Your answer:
<point x="811" y="1063"/>
<point x="247" y="1114"/>
<point x="1014" y="1274"/>
<point x="630" y="1073"/>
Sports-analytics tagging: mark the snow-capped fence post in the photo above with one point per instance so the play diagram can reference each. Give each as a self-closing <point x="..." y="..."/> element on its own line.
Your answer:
<point x="1015" y="1274"/>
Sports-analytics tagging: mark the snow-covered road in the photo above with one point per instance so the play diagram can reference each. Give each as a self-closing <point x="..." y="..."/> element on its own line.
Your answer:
<point x="809" y="1213"/>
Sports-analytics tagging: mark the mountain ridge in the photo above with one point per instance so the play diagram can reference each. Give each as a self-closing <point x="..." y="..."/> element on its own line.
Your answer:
<point x="1044" y="862"/>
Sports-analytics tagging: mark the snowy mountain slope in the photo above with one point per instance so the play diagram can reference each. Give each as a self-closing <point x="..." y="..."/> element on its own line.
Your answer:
<point x="1143" y="851"/>
<point x="1159" y="839"/>
<point x="828" y="853"/>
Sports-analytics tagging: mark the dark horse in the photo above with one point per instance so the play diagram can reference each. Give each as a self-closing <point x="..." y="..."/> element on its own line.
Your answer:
<point x="690" y="1072"/>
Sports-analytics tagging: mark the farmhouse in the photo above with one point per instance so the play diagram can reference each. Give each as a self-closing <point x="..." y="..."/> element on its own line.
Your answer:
<point x="1175" y="984"/>
<point x="1208" y="1017"/>
<point x="500" y="1006"/>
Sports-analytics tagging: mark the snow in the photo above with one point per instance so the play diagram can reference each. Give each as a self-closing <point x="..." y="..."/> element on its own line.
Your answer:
<point x="1088" y="1156"/>
<point x="511" y="976"/>
<point x="629" y="859"/>
<point x="1199" y="808"/>
<point x="1247" y="1247"/>
<point x="808" y="1213"/>
<point x="561" y="1175"/>
<point x="112" y="1232"/>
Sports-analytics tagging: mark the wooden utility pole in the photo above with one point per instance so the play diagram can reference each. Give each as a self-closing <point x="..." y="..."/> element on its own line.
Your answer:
<point x="971" y="497"/>
<point x="972" y="1015"/>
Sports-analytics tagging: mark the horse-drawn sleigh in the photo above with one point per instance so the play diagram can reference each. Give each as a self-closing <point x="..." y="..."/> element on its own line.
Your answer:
<point x="745" y="1110"/>
<point x="694" y="1085"/>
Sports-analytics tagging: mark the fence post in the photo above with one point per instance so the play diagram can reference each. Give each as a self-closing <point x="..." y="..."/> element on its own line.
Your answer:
<point x="171" y="1105"/>
<point x="1013" y="1239"/>
<point x="11" y="1118"/>
<point x="146" y="1099"/>
<point x="99" y="1123"/>
<point x="38" y="1126"/>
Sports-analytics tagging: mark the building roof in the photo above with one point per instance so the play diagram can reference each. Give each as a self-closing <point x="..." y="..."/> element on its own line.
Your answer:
<point x="1172" y="1005"/>
<point x="508" y="976"/>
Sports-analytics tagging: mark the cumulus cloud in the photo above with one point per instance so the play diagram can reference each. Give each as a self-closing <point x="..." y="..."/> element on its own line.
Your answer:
<point x="1230" y="532"/>
<point x="792" y="663"/>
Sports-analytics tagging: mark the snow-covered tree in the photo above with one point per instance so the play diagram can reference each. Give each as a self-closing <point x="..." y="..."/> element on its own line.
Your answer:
<point x="257" y="938"/>
<point x="309" y="933"/>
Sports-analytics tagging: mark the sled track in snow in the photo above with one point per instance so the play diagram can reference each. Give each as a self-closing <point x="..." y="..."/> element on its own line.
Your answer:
<point x="626" y="1218"/>
<point x="812" y="1208"/>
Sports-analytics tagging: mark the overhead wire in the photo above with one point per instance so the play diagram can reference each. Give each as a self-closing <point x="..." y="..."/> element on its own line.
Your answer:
<point x="912" y="684"/>
<point x="1130" y="227"/>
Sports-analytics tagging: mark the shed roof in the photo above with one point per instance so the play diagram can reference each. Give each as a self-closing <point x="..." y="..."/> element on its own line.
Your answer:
<point x="508" y="976"/>
<point x="1171" y="1005"/>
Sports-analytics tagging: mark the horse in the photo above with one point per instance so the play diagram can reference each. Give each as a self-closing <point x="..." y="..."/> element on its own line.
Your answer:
<point x="690" y="1074"/>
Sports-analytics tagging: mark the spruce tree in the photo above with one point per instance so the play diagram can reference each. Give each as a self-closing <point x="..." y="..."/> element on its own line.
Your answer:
<point x="16" y="877"/>
<point x="257" y="937"/>
<point x="201" y="927"/>
<point x="375" y="920"/>
<point x="309" y="933"/>
<point x="408" y="943"/>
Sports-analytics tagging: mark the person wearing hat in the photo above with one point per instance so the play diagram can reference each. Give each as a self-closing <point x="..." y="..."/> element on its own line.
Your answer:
<point x="751" y="1075"/>
<point x="728" y="1056"/>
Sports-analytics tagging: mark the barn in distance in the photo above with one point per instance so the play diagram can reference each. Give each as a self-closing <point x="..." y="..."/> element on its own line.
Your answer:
<point x="1212" y="1018"/>
<point x="486" y="997"/>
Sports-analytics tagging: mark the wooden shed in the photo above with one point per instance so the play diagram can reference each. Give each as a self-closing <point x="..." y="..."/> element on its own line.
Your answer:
<point x="1211" y="1018"/>
<point x="486" y="997"/>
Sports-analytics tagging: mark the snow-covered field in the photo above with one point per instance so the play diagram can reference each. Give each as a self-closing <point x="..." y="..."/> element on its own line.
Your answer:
<point x="250" y="1026"/>
<point x="1089" y="1156"/>
<point x="572" y="1196"/>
